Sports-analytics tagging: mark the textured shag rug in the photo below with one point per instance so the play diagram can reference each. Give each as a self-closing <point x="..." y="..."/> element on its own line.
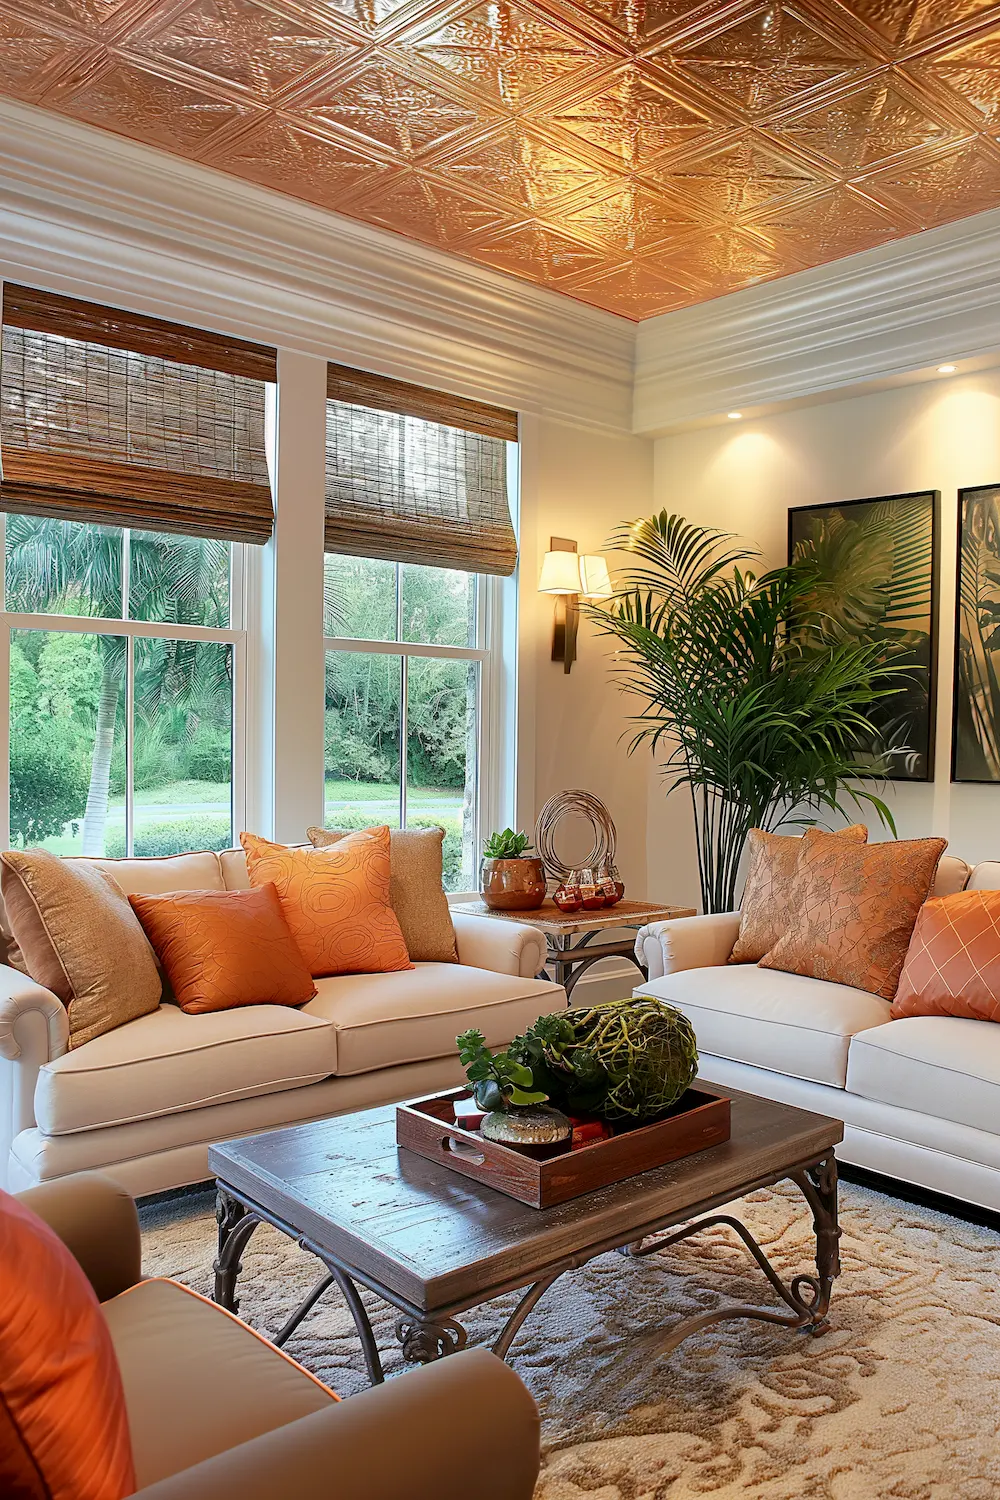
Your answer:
<point x="901" y="1399"/>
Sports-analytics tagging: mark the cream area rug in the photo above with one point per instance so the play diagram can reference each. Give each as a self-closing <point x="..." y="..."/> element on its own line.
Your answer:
<point x="901" y="1399"/>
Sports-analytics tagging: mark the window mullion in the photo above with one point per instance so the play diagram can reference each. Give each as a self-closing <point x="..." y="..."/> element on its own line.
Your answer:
<point x="404" y="688"/>
<point x="129" y="746"/>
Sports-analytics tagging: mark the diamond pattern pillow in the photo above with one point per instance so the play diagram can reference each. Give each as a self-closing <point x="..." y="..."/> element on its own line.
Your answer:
<point x="952" y="965"/>
<point x="853" y="909"/>
<point x="765" y="907"/>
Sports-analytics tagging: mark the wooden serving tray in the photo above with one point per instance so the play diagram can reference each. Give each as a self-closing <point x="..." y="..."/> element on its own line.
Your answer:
<point x="427" y="1126"/>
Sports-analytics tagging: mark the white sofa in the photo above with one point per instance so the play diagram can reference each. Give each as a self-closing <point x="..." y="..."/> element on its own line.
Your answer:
<point x="145" y="1101"/>
<point x="920" y="1097"/>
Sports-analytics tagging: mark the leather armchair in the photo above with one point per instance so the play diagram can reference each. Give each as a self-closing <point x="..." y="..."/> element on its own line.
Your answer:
<point x="217" y="1413"/>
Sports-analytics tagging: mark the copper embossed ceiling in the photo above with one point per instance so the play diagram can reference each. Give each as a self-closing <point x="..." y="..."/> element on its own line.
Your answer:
<point x="638" y="154"/>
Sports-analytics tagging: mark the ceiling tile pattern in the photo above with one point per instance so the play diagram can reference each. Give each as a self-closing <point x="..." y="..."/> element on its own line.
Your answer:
<point x="640" y="155"/>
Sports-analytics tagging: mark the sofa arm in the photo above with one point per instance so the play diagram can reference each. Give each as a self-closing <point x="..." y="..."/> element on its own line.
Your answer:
<point x="21" y="998"/>
<point x="97" y="1222"/>
<point x="687" y="943"/>
<point x="503" y="947"/>
<point x="464" y="1425"/>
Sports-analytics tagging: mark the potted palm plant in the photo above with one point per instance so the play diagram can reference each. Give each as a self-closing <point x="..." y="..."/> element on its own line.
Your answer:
<point x="511" y="878"/>
<point x="765" y="722"/>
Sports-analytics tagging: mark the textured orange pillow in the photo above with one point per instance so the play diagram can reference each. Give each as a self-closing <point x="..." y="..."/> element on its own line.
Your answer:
<point x="63" y="1425"/>
<point x="952" y="965"/>
<point x="853" y="908"/>
<point x="764" y="916"/>
<point x="336" y="901"/>
<point x="222" y="949"/>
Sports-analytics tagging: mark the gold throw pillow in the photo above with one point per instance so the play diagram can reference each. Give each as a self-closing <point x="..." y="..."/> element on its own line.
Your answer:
<point x="79" y="938"/>
<point x="416" y="889"/>
<point x="853" y="910"/>
<point x="764" y="915"/>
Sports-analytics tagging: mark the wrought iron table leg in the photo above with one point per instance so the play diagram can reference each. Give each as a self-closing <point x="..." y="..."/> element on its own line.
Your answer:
<point x="236" y="1225"/>
<point x="303" y="1310"/>
<point x="818" y="1185"/>
<point x="425" y="1339"/>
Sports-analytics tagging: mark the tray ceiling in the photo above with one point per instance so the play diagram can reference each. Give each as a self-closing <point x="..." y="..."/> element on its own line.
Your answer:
<point x="640" y="155"/>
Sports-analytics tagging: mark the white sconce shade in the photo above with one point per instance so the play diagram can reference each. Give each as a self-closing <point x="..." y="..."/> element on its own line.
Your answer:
<point x="595" y="580"/>
<point x="560" y="573"/>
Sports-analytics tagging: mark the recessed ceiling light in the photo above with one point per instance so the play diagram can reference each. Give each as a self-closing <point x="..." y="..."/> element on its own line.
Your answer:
<point x="734" y="416"/>
<point x="946" y="369"/>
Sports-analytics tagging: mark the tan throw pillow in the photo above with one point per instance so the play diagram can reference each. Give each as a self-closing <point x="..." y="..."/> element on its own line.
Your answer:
<point x="764" y="916"/>
<point x="79" y="938"/>
<point x="853" y="908"/>
<point x="416" y="890"/>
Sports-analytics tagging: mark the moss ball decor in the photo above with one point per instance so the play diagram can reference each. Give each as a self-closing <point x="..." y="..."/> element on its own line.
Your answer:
<point x="646" y="1050"/>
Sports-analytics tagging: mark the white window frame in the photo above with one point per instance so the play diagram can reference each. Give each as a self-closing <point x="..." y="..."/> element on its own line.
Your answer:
<point x="488" y="605"/>
<point x="235" y="637"/>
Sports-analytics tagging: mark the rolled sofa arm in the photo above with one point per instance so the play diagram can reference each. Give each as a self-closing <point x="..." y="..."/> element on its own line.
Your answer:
<point x="465" y="1421"/>
<point x="503" y="947"/>
<point x="96" y="1220"/>
<point x="687" y="943"/>
<point x="21" y="998"/>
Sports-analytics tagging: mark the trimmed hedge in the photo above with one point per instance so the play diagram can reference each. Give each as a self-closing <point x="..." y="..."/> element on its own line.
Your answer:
<point x="176" y="837"/>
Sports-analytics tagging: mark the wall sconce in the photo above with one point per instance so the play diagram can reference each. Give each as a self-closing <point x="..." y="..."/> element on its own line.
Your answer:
<point x="566" y="574"/>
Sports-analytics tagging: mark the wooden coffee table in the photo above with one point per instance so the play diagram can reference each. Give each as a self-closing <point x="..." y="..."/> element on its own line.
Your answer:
<point x="434" y="1244"/>
<point x="567" y="937"/>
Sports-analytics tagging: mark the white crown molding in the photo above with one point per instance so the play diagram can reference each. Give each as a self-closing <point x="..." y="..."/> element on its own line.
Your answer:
<point x="879" y="318"/>
<point x="90" y="213"/>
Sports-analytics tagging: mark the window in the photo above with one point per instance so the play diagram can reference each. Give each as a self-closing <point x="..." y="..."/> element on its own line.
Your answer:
<point x="407" y="681"/>
<point x="125" y="688"/>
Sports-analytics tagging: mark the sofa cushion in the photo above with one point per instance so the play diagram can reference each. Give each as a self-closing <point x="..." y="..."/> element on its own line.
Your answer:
<point x="985" y="877"/>
<point x="385" y="1019"/>
<point x="198" y="1381"/>
<point x="769" y="1019"/>
<point x="764" y="915"/>
<point x="416" y="889"/>
<point x="200" y="871"/>
<point x="171" y="1061"/>
<point x="941" y="1066"/>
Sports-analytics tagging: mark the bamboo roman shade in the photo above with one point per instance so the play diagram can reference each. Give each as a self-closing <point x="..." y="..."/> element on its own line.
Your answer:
<point x="414" y="475"/>
<point x="113" y="418"/>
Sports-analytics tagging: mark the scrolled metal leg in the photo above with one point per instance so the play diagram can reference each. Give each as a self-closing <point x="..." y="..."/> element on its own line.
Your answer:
<point x="818" y="1186"/>
<point x="530" y="1300"/>
<point x="236" y="1225"/>
<point x="423" y="1339"/>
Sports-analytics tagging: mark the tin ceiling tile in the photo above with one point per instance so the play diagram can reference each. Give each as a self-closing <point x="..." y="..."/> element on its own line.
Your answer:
<point x="767" y="59"/>
<point x="871" y="123"/>
<point x="633" y="118"/>
<point x="639" y="154"/>
<point x="400" y="114"/>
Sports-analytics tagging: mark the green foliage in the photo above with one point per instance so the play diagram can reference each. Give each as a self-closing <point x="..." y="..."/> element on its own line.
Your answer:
<point x="48" y="769"/>
<point x="760" y="728"/>
<point x="626" y="1060"/>
<point x="506" y="845"/>
<point x="977" y="705"/>
<point x="201" y="831"/>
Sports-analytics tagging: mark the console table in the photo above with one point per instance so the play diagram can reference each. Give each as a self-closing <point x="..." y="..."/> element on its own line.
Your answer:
<point x="568" y="937"/>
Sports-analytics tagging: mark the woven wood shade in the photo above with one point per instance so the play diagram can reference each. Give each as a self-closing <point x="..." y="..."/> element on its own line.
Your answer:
<point x="118" y="423"/>
<point x="409" y="486"/>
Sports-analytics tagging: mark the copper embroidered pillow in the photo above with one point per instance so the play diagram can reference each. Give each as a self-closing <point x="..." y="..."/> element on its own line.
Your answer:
<point x="416" y="889"/>
<point x="79" y="938"/>
<point x="853" y="909"/>
<point x="952" y="965"/>
<point x="223" y="949"/>
<point x="336" y="901"/>
<point x="764" y="914"/>
<point x="63" y="1425"/>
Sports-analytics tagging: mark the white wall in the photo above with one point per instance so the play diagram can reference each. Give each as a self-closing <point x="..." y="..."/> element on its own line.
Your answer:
<point x="743" y="477"/>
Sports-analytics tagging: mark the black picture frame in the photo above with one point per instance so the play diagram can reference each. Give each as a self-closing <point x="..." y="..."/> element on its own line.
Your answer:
<point x="926" y="706"/>
<point x="963" y="717"/>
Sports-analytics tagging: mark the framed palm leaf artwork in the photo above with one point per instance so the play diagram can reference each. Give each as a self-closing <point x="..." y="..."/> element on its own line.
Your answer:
<point x="876" y="565"/>
<point x="975" y="754"/>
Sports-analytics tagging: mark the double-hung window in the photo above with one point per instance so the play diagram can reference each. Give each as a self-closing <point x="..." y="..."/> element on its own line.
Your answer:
<point x="123" y="645"/>
<point x="419" y="538"/>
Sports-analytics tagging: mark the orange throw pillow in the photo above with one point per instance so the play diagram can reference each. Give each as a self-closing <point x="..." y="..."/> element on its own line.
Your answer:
<point x="952" y="965"/>
<point x="222" y="949"/>
<point x="336" y="901"/>
<point x="63" y="1425"/>
<point x="853" y="909"/>
<point x="764" y="917"/>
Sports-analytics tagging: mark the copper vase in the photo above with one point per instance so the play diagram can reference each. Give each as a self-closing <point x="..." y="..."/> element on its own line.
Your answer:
<point x="512" y="884"/>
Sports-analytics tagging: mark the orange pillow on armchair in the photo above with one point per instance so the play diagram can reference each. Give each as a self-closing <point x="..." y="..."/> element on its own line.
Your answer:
<point x="336" y="901"/>
<point x="223" y="949"/>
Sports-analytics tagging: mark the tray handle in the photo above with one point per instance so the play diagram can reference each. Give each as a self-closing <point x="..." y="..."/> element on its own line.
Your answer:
<point x="457" y="1147"/>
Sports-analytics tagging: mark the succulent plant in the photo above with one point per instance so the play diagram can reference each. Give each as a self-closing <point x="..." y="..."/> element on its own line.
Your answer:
<point x="506" y="845"/>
